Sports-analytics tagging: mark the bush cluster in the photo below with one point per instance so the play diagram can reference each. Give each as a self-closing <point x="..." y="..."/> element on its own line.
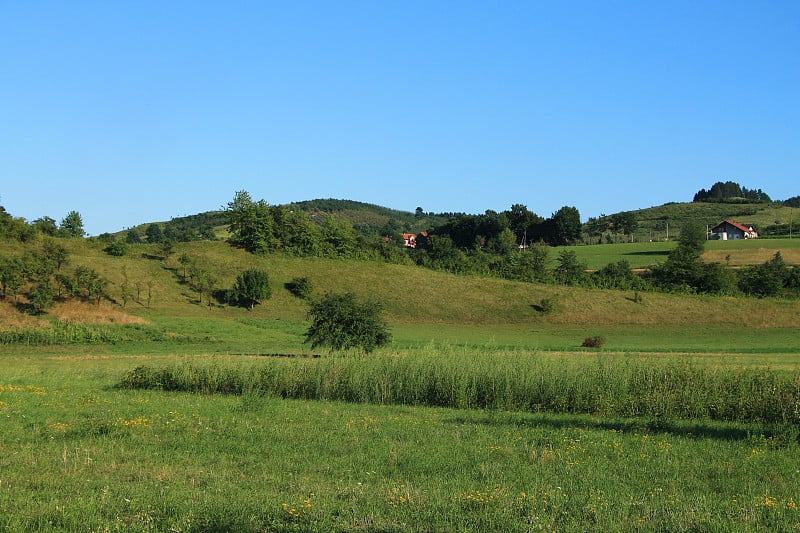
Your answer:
<point x="300" y="287"/>
<point x="595" y="341"/>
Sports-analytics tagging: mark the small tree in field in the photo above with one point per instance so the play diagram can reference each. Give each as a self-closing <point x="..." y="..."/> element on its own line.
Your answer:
<point x="340" y="322"/>
<point x="250" y="288"/>
<point x="42" y="297"/>
<point x="185" y="260"/>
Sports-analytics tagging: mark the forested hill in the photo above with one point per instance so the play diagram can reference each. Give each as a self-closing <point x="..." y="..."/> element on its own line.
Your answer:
<point x="364" y="217"/>
<point x="371" y="218"/>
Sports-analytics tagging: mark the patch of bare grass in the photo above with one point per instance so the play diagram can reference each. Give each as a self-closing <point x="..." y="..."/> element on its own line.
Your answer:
<point x="75" y="312"/>
<point x="12" y="319"/>
<point x="753" y="256"/>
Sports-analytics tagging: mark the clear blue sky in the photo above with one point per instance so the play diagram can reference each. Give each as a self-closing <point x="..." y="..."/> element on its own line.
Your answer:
<point x="139" y="111"/>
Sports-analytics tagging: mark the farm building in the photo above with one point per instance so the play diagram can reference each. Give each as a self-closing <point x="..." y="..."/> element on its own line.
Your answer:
<point x="730" y="230"/>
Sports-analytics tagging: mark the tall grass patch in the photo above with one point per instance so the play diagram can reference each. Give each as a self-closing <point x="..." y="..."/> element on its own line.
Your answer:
<point x="597" y="385"/>
<point x="69" y="334"/>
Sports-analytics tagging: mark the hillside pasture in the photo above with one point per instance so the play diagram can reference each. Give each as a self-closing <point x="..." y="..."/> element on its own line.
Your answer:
<point x="656" y="222"/>
<point x="164" y="315"/>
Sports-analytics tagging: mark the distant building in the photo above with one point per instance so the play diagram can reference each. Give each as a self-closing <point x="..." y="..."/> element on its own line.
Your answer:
<point x="410" y="239"/>
<point x="731" y="231"/>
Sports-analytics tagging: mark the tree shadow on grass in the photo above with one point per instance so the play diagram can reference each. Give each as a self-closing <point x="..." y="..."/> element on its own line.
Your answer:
<point x="682" y="428"/>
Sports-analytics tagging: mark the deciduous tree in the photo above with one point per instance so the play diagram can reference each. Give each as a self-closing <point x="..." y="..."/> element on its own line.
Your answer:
<point x="55" y="252"/>
<point x="569" y="271"/>
<point x="46" y="226"/>
<point x="250" y="223"/>
<point x="185" y="260"/>
<point x="251" y="288"/>
<point x="72" y="225"/>
<point x="11" y="276"/>
<point x="42" y="296"/>
<point x="133" y="236"/>
<point x="564" y="227"/>
<point x="154" y="233"/>
<point x="341" y="322"/>
<point x="116" y="248"/>
<point x="683" y="270"/>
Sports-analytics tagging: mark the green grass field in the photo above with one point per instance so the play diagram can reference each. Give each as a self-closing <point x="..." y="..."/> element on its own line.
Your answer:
<point x="79" y="453"/>
<point x="646" y="254"/>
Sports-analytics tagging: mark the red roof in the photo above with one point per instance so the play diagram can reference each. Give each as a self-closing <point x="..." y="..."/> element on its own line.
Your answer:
<point x="737" y="225"/>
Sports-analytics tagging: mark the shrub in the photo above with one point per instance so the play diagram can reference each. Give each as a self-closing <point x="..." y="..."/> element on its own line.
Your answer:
<point x="767" y="279"/>
<point x="116" y="248"/>
<point x="597" y="341"/>
<point x="546" y="306"/>
<point x="300" y="287"/>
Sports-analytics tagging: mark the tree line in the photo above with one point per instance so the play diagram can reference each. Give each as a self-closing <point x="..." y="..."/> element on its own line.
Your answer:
<point x="262" y="228"/>
<point x="730" y="191"/>
<point x="513" y="244"/>
<point x="18" y="229"/>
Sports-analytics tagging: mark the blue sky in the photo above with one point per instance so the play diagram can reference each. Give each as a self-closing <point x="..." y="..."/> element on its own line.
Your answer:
<point x="133" y="112"/>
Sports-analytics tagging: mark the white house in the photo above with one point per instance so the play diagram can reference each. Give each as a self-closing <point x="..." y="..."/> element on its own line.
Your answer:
<point x="730" y="230"/>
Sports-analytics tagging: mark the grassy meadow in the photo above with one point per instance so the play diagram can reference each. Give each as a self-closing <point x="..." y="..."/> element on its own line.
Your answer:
<point x="646" y="254"/>
<point x="483" y="414"/>
<point x="81" y="454"/>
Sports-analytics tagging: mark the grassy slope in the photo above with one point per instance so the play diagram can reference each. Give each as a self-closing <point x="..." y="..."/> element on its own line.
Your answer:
<point x="422" y="306"/>
<point x="676" y="214"/>
<point x="414" y="295"/>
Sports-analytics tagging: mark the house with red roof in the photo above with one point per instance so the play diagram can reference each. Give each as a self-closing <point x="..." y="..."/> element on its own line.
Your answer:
<point x="731" y="231"/>
<point x="410" y="239"/>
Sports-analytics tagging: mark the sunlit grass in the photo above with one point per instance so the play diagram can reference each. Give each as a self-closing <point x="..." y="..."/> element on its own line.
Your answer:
<point x="79" y="454"/>
<point x="83" y="456"/>
<point x="646" y="254"/>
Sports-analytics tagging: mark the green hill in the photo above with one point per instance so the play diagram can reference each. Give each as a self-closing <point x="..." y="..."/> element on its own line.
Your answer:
<point x="653" y="224"/>
<point x="371" y="218"/>
<point x="664" y="221"/>
<point x="365" y="218"/>
<point x="421" y="305"/>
